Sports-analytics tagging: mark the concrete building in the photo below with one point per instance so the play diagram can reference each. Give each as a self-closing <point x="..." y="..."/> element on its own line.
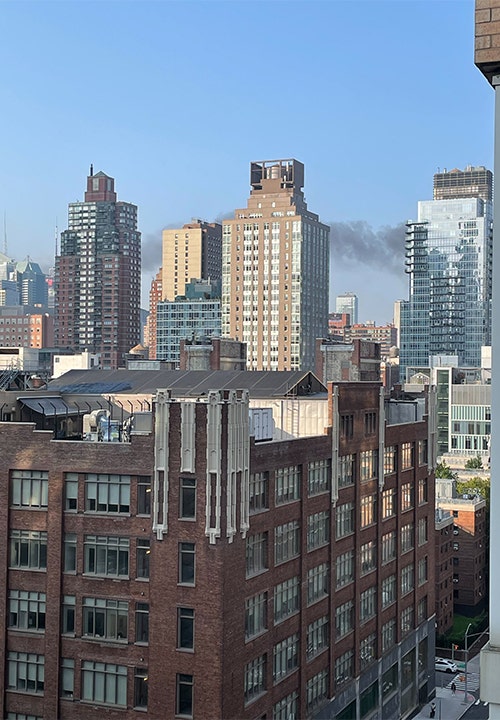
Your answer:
<point x="212" y="353"/>
<point x="357" y="361"/>
<point x="449" y="263"/>
<point x="472" y="182"/>
<point x="348" y="303"/>
<point x="82" y="361"/>
<point x="193" y="251"/>
<point x="301" y="572"/>
<point x="275" y="276"/>
<point x="98" y="275"/>
<point x="31" y="284"/>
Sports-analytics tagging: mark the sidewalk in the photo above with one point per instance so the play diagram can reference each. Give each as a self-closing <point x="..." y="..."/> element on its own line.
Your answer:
<point x="452" y="707"/>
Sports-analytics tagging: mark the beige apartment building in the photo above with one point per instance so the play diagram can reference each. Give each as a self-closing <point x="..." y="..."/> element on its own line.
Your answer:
<point x="191" y="252"/>
<point x="275" y="271"/>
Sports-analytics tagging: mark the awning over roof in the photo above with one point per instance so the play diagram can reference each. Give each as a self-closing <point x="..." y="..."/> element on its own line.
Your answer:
<point x="49" y="406"/>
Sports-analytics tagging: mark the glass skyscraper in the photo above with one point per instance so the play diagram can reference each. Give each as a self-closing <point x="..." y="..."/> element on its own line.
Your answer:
<point x="448" y="259"/>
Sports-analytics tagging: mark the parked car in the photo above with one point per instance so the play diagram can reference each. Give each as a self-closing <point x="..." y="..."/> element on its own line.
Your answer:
<point x="444" y="665"/>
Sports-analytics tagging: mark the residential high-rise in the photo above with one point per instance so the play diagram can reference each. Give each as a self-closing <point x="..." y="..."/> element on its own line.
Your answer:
<point x="275" y="274"/>
<point x="31" y="283"/>
<point x="98" y="275"/>
<point x="471" y="182"/>
<point x="347" y="303"/>
<point x="193" y="251"/>
<point x="449" y="262"/>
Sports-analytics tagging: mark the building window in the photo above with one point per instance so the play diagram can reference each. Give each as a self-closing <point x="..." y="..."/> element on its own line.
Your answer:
<point x="367" y="650"/>
<point x="368" y="557"/>
<point x="368" y="604"/>
<point x="286" y="541"/>
<point x="422" y="570"/>
<point x="388" y="503"/>
<point x="344" y="668"/>
<point x="142" y="623"/>
<point x="388" y="546"/>
<point x="143" y="552"/>
<point x="344" y="520"/>
<point x="344" y="566"/>
<point x="422" y="610"/>
<point x="407" y="579"/>
<point x="258" y="492"/>
<point x="346" y="470"/>
<point x="185" y="628"/>
<point x="68" y="615"/>
<point x="347" y="426"/>
<point x="187" y="499"/>
<point x="287" y="484"/>
<point x="143" y="495"/>
<point x="105" y="619"/>
<point x="141" y="688"/>
<point x="388" y="635"/>
<point x="106" y="556"/>
<point x="316" y="690"/>
<point x="107" y="493"/>
<point x="422" y="531"/>
<point x="318" y="529"/>
<point x="407" y="620"/>
<point x="255" y="615"/>
<point x="407" y="459"/>
<point x="71" y="491"/>
<point x="28" y="549"/>
<point x="67" y="686"/>
<point x="70" y="553"/>
<point x="344" y="619"/>
<point x="317" y="637"/>
<point x="104" y="683"/>
<point x="388" y="591"/>
<point x="318" y="478"/>
<point x="27" y="610"/>
<point x="422" y="452"/>
<point x="29" y="488"/>
<point x="26" y="672"/>
<point x="285" y="657"/>
<point x="286" y="599"/>
<point x="368" y="465"/>
<point x="370" y="423"/>
<point x="407" y="542"/>
<point x="256" y="554"/>
<point x="407" y="496"/>
<point x="255" y="678"/>
<point x="287" y="708"/>
<point x="317" y="583"/>
<point x="186" y="563"/>
<point x="422" y="491"/>
<point x="390" y="458"/>
<point x="368" y="510"/>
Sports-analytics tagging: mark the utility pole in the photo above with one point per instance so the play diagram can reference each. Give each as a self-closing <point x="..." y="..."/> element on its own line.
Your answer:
<point x="465" y="702"/>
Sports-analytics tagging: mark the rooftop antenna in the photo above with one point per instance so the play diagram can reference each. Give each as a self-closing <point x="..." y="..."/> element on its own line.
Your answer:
<point x="91" y="169"/>
<point x="5" y="233"/>
<point x="56" y="238"/>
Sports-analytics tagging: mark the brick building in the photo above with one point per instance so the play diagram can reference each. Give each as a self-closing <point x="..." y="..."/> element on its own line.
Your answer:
<point x="25" y="326"/>
<point x="444" y="538"/>
<point x="195" y="571"/>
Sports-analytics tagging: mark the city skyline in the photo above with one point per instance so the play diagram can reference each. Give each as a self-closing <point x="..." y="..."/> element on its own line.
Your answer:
<point x="176" y="163"/>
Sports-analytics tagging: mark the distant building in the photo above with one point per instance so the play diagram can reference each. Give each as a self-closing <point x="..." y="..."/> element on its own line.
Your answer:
<point x="82" y="361"/>
<point x="386" y="335"/>
<point x="341" y="362"/>
<point x="275" y="277"/>
<point x="194" y="315"/>
<point x="25" y="326"/>
<point x="98" y="275"/>
<point x="212" y="353"/>
<point x="348" y="303"/>
<point x="31" y="283"/>
<point x="155" y="296"/>
<point x="449" y="263"/>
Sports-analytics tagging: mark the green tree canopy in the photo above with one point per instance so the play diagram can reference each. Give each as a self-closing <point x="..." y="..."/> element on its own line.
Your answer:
<point x="444" y="472"/>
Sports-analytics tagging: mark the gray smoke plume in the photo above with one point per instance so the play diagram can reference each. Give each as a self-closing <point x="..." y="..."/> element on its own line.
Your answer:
<point x="357" y="242"/>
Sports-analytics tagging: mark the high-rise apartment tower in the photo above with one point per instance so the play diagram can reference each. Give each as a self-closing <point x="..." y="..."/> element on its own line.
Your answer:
<point x="348" y="303"/>
<point x="275" y="271"/>
<point x="98" y="275"/>
<point x="449" y="263"/>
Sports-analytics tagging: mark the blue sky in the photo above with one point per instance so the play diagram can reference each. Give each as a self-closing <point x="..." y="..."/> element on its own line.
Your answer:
<point x="174" y="99"/>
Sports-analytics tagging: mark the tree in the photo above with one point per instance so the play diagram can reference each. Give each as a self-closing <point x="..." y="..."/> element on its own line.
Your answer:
<point x="476" y="485"/>
<point x="444" y="472"/>
<point x="474" y="463"/>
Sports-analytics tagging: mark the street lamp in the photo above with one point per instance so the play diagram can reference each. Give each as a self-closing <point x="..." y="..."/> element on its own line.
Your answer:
<point x="465" y="702"/>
